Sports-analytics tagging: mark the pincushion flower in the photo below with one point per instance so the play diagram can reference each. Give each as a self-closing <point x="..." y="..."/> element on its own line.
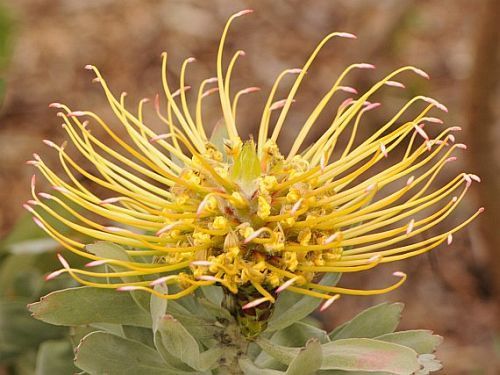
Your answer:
<point x="243" y="214"/>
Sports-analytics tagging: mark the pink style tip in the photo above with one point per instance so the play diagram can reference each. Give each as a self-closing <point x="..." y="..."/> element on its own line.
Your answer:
<point x="162" y="280"/>
<point x="421" y="73"/>
<point x="364" y="66"/>
<point x="434" y="120"/>
<point x="348" y="89"/>
<point x="395" y="84"/>
<point x="96" y="263"/>
<point x="63" y="261"/>
<point x="296" y="206"/>
<point x="286" y="284"/>
<point x="331" y="238"/>
<point x="329" y="302"/>
<point x="249" y="90"/>
<point x="347" y="35"/>
<point x="409" y="229"/>
<point x="399" y="274"/>
<point x="278" y="104"/>
<point x="243" y="12"/>
<point x="383" y="149"/>
<point x="49" y="143"/>
<point x="110" y="200"/>
<point x="474" y="177"/>
<point x="28" y="208"/>
<point x="39" y="223"/>
<point x="76" y="114"/>
<point x="61" y="189"/>
<point x="449" y="239"/>
<point x="371" y="106"/>
<point x="53" y="275"/>
<point x="209" y="92"/>
<point x="254" y="303"/>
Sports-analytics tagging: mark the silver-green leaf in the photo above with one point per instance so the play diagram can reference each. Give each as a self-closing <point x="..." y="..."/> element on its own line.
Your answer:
<point x="110" y="250"/>
<point x="102" y="353"/>
<point x="86" y="305"/>
<point x="249" y="368"/>
<point x="292" y="307"/>
<point x="420" y="340"/>
<point x="308" y="361"/>
<point x="375" y="321"/>
<point x="361" y="354"/>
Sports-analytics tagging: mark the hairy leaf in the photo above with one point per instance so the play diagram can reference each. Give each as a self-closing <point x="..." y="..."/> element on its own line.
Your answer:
<point x="292" y="307"/>
<point x="421" y="340"/>
<point x="360" y="354"/>
<point x="86" y="305"/>
<point x="308" y="361"/>
<point x="103" y="353"/>
<point x="375" y="321"/>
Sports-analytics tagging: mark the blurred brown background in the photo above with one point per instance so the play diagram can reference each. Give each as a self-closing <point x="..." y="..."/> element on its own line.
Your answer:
<point x="453" y="291"/>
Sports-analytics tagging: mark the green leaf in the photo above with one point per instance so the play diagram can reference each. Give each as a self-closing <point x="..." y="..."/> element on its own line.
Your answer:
<point x="102" y="353"/>
<point x="200" y="327"/>
<point x="214" y="294"/>
<point x="55" y="357"/>
<point x="375" y="321"/>
<point x="295" y="335"/>
<point x="308" y="361"/>
<point x="112" y="251"/>
<point x="360" y="354"/>
<point x="421" y="340"/>
<point x="158" y="306"/>
<point x="281" y="353"/>
<point x="139" y="334"/>
<point x="298" y="334"/>
<point x="209" y="358"/>
<point x="291" y="307"/>
<point x="86" y="305"/>
<point x="249" y="368"/>
<point x="167" y="357"/>
<point x="178" y="341"/>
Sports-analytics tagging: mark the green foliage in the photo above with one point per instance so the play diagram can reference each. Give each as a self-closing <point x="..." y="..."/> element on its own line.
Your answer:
<point x="293" y="307"/>
<point x="87" y="305"/>
<point x="372" y="322"/>
<point x="118" y="333"/>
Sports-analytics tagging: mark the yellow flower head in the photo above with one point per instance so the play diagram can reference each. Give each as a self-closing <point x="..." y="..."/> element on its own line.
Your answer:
<point x="245" y="214"/>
